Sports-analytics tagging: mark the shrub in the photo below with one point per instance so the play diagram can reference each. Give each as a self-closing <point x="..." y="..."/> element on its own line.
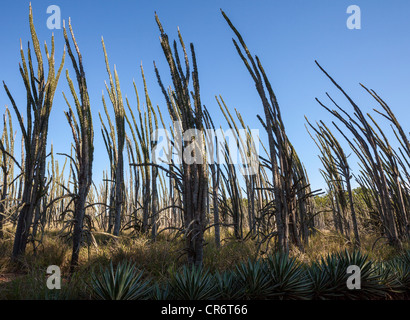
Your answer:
<point x="228" y="285"/>
<point x="124" y="283"/>
<point x="328" y="278"/>
<point x="253" y="279"/>
<point x="288" y="279"/>
<point x="192" y="283"/>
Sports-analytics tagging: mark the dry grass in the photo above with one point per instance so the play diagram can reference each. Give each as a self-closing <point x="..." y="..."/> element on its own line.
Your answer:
<point x="159" y="259"/>
<point x="327" y="242"/>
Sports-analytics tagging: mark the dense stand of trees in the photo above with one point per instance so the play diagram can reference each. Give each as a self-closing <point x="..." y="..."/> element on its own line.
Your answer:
<point x="268" y="198"/>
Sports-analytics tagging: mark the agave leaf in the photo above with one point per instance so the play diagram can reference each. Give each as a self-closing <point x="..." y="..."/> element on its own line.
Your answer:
<point x="124" y="283"/>
<point x="254" y="279"/>
<point x="193" y="283"/>
<point x="288" y="278"/>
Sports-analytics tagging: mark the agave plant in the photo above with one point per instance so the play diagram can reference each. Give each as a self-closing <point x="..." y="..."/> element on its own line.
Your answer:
<point x="405" y="257"/>
<point x="328" y="279"/>
<point x="228" y="285"/>
<point x="388" y="276"/>
<point x="320" y="283"/>
<point x="254" y="279"/>
<point x="193" y="283"/>
<point x="371" y="286"/>
<point x="124" y="283"/>
<point x="402" y="271"/>
<point x="287" y="277"/>
<point x="396" y="274"/>
<point x="160" y="292"/>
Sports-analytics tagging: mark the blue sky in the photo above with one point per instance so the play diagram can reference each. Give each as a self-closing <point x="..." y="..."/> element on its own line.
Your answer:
<point x="287" y="36"/>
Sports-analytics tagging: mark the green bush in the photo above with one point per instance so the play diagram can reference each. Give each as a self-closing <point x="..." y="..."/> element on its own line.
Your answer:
<point x="254" y="280"/>
<point x="328" y="277"/>
<point x="124" y="283"/>
<point x="228" y="285"/>
<point x="287" y="277"/>
<point x="192" y="283"/>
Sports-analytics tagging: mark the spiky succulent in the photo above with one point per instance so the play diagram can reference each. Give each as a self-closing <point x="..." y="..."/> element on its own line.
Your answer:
<point x="405" y="257"/>
<point x="328" y="278"/>
<point x="160" y="291"/>
<point x="192" y="283"/>
<point x="228" y="285"/>
<point x="123" y="283"/>
<point x="253" y="279"/>
<point x="287" y="277"/>
<point x="395" y="274"/>
<point x="402" y="272"/>
<point x="371" y="286"/>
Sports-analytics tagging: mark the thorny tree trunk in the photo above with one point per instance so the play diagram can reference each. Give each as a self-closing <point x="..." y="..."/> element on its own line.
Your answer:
<point x="215" y="183"/>
<point x="280" y="149"/>
<point x="7" y="166"/>
<point x="3" y="196"/>
<point x="40" y="94"/>
<point x="154" y="203"/>
<point x="84" y="147"/>
<point x="118" y="143"/>
<point x="194" y="175"/>
<point x="353" y="212"/>
<point x="367" y="149"/>
<point x="119" y="194"/>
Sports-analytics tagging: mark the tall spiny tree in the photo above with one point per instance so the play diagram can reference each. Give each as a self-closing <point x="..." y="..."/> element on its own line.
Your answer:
<point x="114" y="93"/>
<point x="83" y="135"/>
<point x="7" y="166"/>
<point x="40" y="93"/>
<point x="334" y="159"/>
<point x="281" y="153"/>
<point x="368" y="147"/>
<point x="144" y="144"/>
<point x="194" y="175"/>
<point x="213" y="147"/>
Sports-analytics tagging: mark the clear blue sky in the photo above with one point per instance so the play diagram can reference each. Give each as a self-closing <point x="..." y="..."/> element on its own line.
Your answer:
<point x="287" y="35"/>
